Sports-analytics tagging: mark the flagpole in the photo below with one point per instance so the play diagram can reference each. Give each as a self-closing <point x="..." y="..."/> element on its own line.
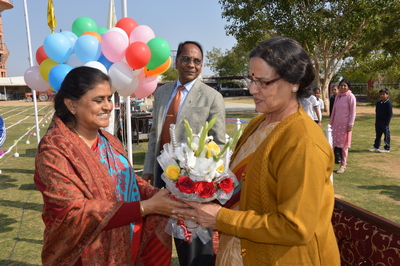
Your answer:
<point x="128" y="102"/>
<point x="28" y="36"/>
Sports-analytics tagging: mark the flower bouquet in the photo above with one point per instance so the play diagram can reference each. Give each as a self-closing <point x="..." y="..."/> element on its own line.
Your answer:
<point x="197" y="171"/>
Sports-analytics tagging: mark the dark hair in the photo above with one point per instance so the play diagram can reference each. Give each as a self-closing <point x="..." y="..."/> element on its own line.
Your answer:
<point x="384" y="90"/>
<point x="290" y="61"/>
<point x="182" y="44"/>
<point x="77" y="83"/>
<point x="345" y="81"/>
<point x="316" y="89"/>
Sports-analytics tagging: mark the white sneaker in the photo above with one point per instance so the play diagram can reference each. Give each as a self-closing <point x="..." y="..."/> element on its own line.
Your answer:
<point x="384" y="150"/>
<point x="373" y="149"/>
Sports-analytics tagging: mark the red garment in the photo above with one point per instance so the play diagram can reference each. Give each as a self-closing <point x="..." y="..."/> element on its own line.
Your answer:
<point x="79" y="203"/>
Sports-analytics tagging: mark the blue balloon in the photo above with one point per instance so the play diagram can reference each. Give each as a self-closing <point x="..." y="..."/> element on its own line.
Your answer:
<point x="87" y="48"/>
<point x="57" y="75"/>
<point x="57" y="47"/>
<point x="71" y="37"/>
<point x="107" y="63"/>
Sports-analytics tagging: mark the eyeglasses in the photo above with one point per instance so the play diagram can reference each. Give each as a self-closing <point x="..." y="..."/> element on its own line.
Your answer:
<point x="187" y="60"/>
<point x="259" y="83"/>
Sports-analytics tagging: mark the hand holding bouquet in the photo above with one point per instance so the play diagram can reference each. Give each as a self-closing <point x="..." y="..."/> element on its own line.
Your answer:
<point x="197" y="171"/>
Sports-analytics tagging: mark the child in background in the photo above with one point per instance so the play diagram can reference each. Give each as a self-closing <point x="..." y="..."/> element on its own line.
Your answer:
<point x="335" y="91"/>
<point x="311" y="106"/>
<point x="317" y="93"/>
<point x="384" y="114"/>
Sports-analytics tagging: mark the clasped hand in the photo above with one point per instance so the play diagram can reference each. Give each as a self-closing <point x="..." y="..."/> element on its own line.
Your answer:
<point x="203" y="213"/>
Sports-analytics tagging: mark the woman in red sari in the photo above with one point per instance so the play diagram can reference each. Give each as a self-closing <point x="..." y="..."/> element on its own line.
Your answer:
<point x="96" y="211"/>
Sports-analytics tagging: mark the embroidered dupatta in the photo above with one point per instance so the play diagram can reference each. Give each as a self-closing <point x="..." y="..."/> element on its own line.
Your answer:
<point x="229" y="246"/>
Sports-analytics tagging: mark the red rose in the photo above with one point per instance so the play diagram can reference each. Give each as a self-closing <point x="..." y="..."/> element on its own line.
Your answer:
<point x="185" y="184"/>
<point x="205" y="189"/>
<point x="226" y="185"/>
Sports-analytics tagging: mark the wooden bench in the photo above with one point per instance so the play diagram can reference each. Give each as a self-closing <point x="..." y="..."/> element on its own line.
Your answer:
<point x="365" y="238"/>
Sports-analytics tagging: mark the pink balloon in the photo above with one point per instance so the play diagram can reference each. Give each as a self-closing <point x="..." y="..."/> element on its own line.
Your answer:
<point x="114" y="45"/>
<point x="120" y="31"/>
<point x="147" y="85"/>
<point x="34" y="79"/>
<point x="141" y="33"/>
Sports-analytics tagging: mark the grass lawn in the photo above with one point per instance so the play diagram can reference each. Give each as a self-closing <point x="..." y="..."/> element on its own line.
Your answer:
<point x="371" y="180"/>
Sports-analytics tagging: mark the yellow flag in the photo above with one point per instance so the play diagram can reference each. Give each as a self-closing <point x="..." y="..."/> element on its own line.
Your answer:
<point x="51" y="18"/>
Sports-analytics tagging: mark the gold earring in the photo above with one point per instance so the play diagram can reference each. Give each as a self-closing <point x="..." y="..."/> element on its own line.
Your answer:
<point x="294" y="89"/>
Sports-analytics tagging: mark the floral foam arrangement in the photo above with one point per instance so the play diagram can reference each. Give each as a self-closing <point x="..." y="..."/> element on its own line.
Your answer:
<point x="197" y="171"/>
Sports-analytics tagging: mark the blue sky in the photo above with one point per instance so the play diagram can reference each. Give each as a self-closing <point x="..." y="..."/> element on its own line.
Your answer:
<point x="173" y="20"/>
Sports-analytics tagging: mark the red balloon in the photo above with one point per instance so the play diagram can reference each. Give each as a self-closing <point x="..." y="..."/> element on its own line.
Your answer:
<point x="41" y="55"/>
<point x="137" y="55"/>
<point x="127" y="24"/>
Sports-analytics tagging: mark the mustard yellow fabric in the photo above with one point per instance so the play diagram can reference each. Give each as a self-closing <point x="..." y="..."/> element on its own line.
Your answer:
<point x="287" y="197"/>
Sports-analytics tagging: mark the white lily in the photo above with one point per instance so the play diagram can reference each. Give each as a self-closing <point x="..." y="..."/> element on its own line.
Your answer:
<point x="204" y="169"/>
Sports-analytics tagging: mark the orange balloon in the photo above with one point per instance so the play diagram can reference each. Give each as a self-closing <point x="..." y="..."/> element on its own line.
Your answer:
<point x="94" y="34"/>
<point x="159" y="70"/>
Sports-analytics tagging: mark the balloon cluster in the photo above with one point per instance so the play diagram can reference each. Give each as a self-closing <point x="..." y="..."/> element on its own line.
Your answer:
<point x="129" y="53"/>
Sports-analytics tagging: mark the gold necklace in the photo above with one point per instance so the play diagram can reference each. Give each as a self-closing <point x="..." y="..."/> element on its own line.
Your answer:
<point x="76" y="131"/>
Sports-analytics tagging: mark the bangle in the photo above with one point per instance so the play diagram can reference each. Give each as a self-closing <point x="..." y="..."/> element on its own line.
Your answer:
<point x="142" y="210"/>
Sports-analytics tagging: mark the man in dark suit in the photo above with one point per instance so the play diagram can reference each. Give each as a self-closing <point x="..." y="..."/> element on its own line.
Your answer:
<point x="199" y="103"/>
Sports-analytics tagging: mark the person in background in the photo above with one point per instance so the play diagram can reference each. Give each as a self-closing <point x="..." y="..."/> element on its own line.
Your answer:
<point x="370" y="83"/>
<point x="198" y="104"/>
<point x="311" y="106"/>
<point x="96" y="211"/>
<point x="317" y="94"/>
<point x="284" y="162"/>
<point x="335" y="91"/>
<point x="3" y="133"/>
<point x="342" y="122"/>
<point x="384" y="113"/>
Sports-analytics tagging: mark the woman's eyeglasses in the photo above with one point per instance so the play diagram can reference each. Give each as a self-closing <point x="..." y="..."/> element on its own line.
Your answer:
<point x="187" y="60"/>
<point x="259" y="83"/>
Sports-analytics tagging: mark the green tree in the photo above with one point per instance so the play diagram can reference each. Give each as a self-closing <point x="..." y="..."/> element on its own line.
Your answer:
<point x="328" y="30"/>
<point x="170" y="75"/>
<point x="232" y="62"/>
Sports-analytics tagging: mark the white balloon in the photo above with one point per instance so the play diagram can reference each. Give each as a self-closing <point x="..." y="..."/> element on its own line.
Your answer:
<point x="136" y="72"/>
<point x="74" y="61"/>
<point x="98" y="65"/>
<point x="121" y="75"/>
<point x="34" y="79"/>
<point x="131" y="88"/>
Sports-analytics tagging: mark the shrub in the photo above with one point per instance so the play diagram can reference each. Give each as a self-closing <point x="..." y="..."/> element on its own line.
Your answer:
<point x="394" y="95"/>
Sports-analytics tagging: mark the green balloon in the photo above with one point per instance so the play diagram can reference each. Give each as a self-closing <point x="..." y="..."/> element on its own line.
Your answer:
<point x="160" y="51"/>
<point x="101" y="30"/>
<point x="82" y="25"/>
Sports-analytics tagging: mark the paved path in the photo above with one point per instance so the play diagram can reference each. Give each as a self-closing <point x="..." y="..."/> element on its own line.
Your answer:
<point x="231" y="107"/>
